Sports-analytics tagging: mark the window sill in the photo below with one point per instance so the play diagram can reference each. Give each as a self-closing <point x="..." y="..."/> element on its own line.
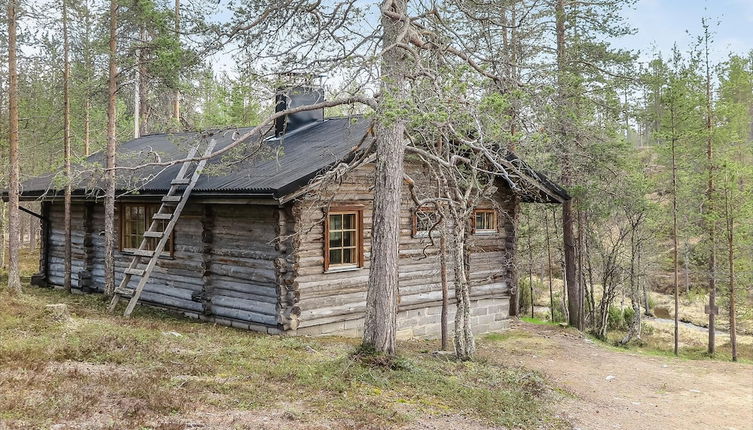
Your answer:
<point x="485" y="232"/>
<point x="342" y="269"/>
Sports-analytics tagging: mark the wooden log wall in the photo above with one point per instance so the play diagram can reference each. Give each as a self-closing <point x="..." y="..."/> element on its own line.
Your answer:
<point x="325" y="298"/>
<point x="223" y="265"/>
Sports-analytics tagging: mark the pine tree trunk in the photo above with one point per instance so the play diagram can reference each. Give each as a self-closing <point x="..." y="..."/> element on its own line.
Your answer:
<point x="142" y="88"/>
<point x="380" y="322"/>
<point x="68" y="254"/>
<point x="465" y="345"/>
<point x="511" y="263"/>
<point x="731" y="261"/>
<point x="711" y="222"/>
<point x="568" y="235"/>
<point x="109" y="288"/>
<point x="14" y="226"/>
<point x="2" y="234"/>
<point x="674" y="242"/>
<point x="549" y="265"/>
<point x="176" y="99"/>
<point x="89" y="67"/>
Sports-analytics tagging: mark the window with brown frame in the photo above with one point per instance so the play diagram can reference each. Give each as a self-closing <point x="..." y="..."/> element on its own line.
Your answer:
<point x="343" y="242"/>
<point x="423" y="221"/>
<point x="484" y="221"/>
<point x="134" y="220"/>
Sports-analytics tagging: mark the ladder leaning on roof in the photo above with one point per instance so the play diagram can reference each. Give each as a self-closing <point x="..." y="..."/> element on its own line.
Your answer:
<point x="175" y="199"/>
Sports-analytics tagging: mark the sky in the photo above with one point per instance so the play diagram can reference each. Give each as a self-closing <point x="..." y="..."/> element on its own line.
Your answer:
<point x="661" y="23"/>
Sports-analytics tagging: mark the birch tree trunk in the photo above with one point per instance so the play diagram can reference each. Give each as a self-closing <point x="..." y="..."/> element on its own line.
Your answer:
<point x="443" y="279"/>
<point x="14" y="227"/>
<point x="109" y="289"/>
<point x="380" y="322"/>
<point x="68" y="255"/>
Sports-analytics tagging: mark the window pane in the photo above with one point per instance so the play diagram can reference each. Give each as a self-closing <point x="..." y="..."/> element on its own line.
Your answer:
<point x="349" y="238"/>
<point x="349" y="255"/>
<point x="335" y="239"/>
<point x="335" y="256"/>
<point x="485" y="220"/>
<point x="335" y="222"/>
<point x="349" y="221"/>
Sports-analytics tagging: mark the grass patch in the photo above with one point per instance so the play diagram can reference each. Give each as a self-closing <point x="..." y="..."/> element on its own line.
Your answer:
<point x="538" y="321"/>
<point x="134" y="372"/>
<point x="658" y="341"/>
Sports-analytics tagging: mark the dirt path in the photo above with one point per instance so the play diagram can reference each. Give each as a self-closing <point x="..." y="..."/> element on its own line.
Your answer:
<point x="619" y="390"/>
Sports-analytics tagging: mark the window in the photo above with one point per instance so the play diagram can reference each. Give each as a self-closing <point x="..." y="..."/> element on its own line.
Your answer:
<point x="343" y="239"/>
<point x="423" y="221"/>
<point x="484" y="221"/>
<point x="134" y="221"/>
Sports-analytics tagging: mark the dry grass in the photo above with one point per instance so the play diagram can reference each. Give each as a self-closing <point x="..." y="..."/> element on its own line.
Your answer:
<point x="158" y="371"/>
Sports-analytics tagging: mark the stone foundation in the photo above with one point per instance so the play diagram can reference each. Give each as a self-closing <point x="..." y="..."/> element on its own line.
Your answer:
<point x="487" y="315"/>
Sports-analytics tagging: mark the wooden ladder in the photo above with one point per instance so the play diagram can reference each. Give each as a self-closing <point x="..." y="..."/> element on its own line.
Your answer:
<point x="175" y="200"/>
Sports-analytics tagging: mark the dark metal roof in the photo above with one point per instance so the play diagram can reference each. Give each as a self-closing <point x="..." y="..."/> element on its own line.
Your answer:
<point x="271" y="169"/>
<point x="534" y="186"/>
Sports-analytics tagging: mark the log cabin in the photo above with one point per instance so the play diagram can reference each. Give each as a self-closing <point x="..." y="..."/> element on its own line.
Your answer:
<point x="252" y="249"/>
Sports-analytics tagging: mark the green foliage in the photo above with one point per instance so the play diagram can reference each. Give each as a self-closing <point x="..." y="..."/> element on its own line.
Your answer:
<point x="615" y="318"/>
<point x="524" y="294"/>
<point x="559" y="309"/>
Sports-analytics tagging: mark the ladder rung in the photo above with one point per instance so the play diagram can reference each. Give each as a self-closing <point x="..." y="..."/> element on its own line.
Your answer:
<point x="124" y="292"/>
<point x="153" y="234"/>
<point x="180" y="181"/>
<point x="135" y="272"/>
<point x="143" y="252"/>
<point x="162" y="216"/>
<point x="171" y="199"/>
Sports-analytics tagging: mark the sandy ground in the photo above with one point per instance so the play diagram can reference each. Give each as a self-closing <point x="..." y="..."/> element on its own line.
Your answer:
<point x="620" y="390"/>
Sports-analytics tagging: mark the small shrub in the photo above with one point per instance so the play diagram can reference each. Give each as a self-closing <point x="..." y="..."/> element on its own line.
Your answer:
<point x="615" y="318"/>
<point x="651" y="303"/>
<point x="559" y="309"/>
<point x="524" y="297"/>
<point x="627" y="316"/>
<point x="647" y="329"/>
